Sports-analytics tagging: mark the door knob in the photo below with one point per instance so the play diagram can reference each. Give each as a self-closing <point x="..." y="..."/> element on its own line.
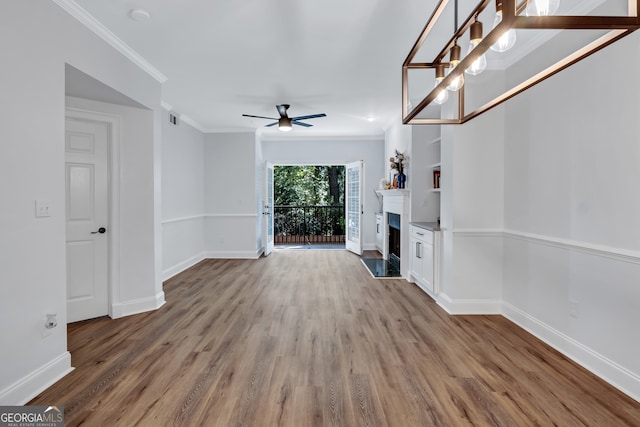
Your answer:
<point x="101" y="230"/>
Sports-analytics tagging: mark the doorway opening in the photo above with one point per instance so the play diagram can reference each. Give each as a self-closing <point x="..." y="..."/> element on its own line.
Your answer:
<point x="309" y="207"/>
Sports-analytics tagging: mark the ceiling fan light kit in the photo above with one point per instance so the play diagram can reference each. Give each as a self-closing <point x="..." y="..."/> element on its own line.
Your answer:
<point x="537" y="18"/>
<point x="284" y="122"/>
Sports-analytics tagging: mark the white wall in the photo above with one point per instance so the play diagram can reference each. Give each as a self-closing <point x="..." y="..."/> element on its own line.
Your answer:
<point x="182" y="196"/>
<point x="397" y="137"/>
<point x="230" y="195"/>
<point x="32" y="250"/>
<point x="337" y="151"/>
<point x="572" y="212"/>
<point x="472" y="214"/>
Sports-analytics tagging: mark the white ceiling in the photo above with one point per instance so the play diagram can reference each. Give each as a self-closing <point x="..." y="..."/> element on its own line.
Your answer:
<point x="223" y="58"/>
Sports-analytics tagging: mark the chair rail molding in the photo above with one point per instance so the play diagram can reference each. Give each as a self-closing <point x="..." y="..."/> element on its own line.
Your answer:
<point x="618" y="254"/>
<point x="184" y="218"/>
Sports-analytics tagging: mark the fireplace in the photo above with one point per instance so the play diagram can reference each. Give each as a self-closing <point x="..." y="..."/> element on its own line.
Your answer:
<point x="395" y="214"/>
<point x="394" y="240"/>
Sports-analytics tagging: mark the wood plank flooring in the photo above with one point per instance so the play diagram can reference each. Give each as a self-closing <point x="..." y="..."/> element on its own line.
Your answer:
<point x="308" y="338"/>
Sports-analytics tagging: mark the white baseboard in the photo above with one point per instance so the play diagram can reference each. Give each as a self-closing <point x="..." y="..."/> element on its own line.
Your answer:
<point x="36" y="382"/>
<point x="182" y="266"/>
<point x="233" y="254"/>
<point x="468" y="306"/>
<point x="369" y="247"/>
<point x="616" y="375"/>
<point x="137" y="306"/>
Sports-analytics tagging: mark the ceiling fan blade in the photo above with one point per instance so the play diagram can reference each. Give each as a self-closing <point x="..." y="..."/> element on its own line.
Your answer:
<point x="307" y="125"/>
<point x="271" y="124"/>
<point x="282" y="109"/>
<point x="311" y="116"/>
<point x="259" y="117"/>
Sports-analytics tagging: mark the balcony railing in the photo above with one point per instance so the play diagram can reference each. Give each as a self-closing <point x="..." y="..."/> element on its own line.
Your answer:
<point x="308" y="225"/>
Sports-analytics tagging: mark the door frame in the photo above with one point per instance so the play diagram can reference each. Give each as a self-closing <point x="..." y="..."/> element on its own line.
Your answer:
<point x="113" y="191"/>
<point x="275" y="164"/>
<point x="268" y="211"/>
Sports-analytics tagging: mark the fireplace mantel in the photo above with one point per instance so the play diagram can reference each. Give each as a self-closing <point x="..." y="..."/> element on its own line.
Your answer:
<point x="396" y="201"/>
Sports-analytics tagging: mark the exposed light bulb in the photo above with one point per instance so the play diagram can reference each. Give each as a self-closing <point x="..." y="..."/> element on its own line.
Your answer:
<point x="443" y="95"/>
<point x="480" y="64"/>
<point x="508" y="39"/>
<point x="454" y="60"/>
<point x="542" y="7"/>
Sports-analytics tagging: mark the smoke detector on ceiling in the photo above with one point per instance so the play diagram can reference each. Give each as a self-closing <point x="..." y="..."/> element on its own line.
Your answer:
<point x="139" y="15"/>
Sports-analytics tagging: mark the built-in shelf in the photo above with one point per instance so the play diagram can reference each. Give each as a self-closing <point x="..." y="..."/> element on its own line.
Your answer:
<point x="435" y="141"/>
<point x="435" y="165"/>
<point x="435" y="190"/>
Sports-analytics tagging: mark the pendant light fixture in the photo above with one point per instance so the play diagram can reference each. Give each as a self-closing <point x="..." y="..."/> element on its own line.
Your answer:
<point x="475" y="37"/>
<point x="541" y="18"/>
<point x="508" y="39"/>
<point x="443" y="94"/>
<point x="454" y="60"/>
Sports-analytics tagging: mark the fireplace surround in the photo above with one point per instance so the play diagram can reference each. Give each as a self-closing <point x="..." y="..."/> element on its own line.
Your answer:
<point x="395" y="237"/>
<point x="396" y="203"/>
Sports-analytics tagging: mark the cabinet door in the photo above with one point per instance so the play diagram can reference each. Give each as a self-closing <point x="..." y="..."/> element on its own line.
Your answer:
<point x="417" y="254"/>
<point x="379" y="227"/>
<point x="427" y="266"/>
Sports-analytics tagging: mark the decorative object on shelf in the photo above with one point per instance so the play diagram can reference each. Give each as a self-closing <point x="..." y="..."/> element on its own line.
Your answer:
<point x="436" y="179"/>
<point x="402" y="179"/>
<point x="542" y="24"/>
<point x="397" y="163"/>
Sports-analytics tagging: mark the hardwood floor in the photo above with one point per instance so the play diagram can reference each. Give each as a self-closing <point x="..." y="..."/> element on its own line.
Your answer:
<point x="308" y="338"/>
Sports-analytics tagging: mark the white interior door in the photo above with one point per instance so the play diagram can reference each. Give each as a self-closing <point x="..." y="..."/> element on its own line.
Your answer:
<point x="86" y="163"/>
<point x="267" y="223"/>
<point x="353" y="188"/>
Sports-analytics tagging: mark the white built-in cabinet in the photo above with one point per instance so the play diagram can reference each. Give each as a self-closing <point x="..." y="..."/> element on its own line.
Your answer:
<point x="425" y="257"/>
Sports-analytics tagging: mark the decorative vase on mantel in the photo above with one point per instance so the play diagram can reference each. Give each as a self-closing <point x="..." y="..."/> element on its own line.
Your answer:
<point x="402" y="178"/>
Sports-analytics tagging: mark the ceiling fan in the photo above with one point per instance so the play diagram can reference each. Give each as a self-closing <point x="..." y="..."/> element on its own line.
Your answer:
<point x="285" y="122"/>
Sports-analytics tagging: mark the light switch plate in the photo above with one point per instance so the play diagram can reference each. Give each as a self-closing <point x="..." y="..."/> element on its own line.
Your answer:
<point x="42" y="208"/>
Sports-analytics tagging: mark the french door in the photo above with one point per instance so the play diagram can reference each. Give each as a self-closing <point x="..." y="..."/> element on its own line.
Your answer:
<point x="267" y="212"/>
<point x="353" y="221"/>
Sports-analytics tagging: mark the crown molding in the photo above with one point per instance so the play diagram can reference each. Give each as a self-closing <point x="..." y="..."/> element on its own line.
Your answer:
<point x="188" y="120"/>
<point x="73" y="9"/>
<point x="322" y="136"/>
<point x="183" y="118"/>
<point x="166" y="106"/>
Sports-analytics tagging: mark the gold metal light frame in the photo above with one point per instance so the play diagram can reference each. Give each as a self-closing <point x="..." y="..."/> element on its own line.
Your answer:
<point x="618" y="26"/>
